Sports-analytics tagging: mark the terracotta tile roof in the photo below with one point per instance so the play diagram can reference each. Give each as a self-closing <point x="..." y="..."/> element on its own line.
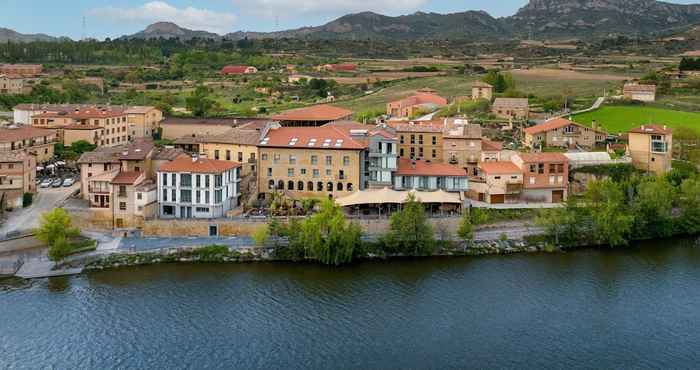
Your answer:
<point x="324" y="137"/>
<point x="499" y="168"/>
<point x="234" y="70"/>
<point x="409" y="167"/>
<point x="167" y="154"/>
<point x="635" y="87"/>
<point x="137" y="150"/>
<point x="249" y="123"/>
<point x="511" y="102"/>
<point x="314" y="113"/>
<point x="126" y="178"/>
<point x="490" y="145"/>
<point x="185" y="163"/>
<point x="19" y="133"/>
<point x="418" y="126"/>
<point x="421" y="98"/>
<point x="542" y="157"/>
<point x="234" y="136"/>
<point x="554" y="124"/>
<point x="652" y="130"/>
<point x="481" y="84"/>
<point x="350" y="126"/>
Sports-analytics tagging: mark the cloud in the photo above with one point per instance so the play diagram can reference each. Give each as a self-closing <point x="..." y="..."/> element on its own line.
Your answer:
<point x="161" y="11"/>
<point x="287" y="8"/>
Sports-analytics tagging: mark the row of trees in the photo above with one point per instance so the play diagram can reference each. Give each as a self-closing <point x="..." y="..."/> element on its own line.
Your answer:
<point x="689" y="64"/>
<point x="615" y="211"/>
<point x="501" y="81"/>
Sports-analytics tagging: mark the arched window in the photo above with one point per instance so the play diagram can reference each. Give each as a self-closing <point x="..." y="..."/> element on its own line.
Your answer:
<point x="271" y="185"/>
<point x="300" y="185"/>
<point x="280" y="185"/>
<point x="290" y="185"/>
<point x="349" y="186"/>
<point x="329" y="186"/>
<point x="319" y="186"/>
<point x="310" y="186"/>
<point x="340" y="186"/>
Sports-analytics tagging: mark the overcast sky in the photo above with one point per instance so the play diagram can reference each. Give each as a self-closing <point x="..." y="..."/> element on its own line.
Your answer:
<point x="112" y="18"/>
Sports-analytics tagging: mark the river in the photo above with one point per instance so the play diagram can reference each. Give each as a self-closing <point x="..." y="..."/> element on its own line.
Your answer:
<point x="626" y="308"/>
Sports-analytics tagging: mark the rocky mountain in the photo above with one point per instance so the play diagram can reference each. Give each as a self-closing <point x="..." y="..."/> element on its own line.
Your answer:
<point x="169" y="30"/>
<point x="7" y="34"/>
<point x="470" y="24"/>
<point x="599" y="18"/>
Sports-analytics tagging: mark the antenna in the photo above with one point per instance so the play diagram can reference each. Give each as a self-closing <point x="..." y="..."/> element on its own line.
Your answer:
<point x="82" y="37"/>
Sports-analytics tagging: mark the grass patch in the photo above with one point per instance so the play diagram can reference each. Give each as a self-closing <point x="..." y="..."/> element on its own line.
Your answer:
<point x="617" y="118"/>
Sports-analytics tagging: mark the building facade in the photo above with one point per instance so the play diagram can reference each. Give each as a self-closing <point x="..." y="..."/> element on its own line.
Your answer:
<point x="144" y="122"/>
<point x="499" y="183"/>
<point x="651" y="148"/>
<point x="482" y="90"/>
<point x="101" y="127"/>
<point x="17" y="177"/>
<point x="640" y="92"/>
<point x="426" y="176"/>
<point x="13" y="85"/>
<point x="192" y="187"/>
<point x="561" y="132"/>
<point x="420" y="140"/>
<point x="545" y="176"/>
<point x="235" y="145"/>
<point x="27" y="70"/>
<point x="511" y="108"/>
<point x="38" y="142"/>
<point x="422" y="101"/>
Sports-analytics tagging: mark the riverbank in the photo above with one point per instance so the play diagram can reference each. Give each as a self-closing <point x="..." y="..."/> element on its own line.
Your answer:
<point x="226" y="254"/>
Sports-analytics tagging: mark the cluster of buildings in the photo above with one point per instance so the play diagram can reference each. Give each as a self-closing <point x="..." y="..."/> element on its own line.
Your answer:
<point x="18" y="78"/>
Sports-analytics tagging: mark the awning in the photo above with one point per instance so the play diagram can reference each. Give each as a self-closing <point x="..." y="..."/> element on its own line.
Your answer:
<point x="389" y="196"/>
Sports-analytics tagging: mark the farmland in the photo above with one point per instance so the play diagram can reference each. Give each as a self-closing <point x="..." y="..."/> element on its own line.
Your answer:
<point x="616" y="119"/>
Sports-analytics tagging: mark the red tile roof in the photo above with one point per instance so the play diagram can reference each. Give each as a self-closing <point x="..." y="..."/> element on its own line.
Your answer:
<point x="234" y="70"/>
<point x="491" y="146"/>
<point x="8" y="135"/>
<point x="543" y="157"/>
<point x="341" y="67"/>
<point x="421" y="98"/>
<point x="652" y="130"/>
<point x="314" y="113"/>
<point x="126" y="178"/>
<point x="554" y="124"/>
<point x="634" y="87"/>
<point x="409" y="167"/>
<point x="185" y="163"/>
<point x="324" y="137"/>
<point x="499" y="168"/>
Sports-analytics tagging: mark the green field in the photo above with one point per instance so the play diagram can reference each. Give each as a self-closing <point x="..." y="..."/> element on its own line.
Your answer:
<point x="617" y="119"/>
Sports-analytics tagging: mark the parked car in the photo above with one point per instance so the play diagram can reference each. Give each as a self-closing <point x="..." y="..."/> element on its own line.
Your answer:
<point x="68" y="182"/>
<point x="57" y="183"/>
<point x="46" y="183"/>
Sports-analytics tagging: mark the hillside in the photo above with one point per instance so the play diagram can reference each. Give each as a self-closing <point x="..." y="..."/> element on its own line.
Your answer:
<point x="169" y="30"/>
<point x="13" y="36"/>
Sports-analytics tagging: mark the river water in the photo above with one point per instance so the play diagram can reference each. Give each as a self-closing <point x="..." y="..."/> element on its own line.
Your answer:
<point x="627" y="308"/>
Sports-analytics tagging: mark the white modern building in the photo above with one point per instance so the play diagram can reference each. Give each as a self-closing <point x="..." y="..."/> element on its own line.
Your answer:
<point x="198" y="188"/>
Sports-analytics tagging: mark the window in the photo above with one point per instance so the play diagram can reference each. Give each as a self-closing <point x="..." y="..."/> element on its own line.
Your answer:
<point x="314" y="160"/>
<point x="271" y="185"/>
<point x="240" y="157"/>
<point x="276" y="158"/>
<point x="216" y="154"/>
<point x="346" y="161"/>
<point x="173" y="195"/>
<point x="533" y="168"/>
<point x="122" y="206"/>
<point x="122" y="190"/>
<point x="540" y="168"/>
<point x="340" y="186"/>
<point x="310" y="186"/>
<point x="290" y="185"/>
<point x="292" y="159"/>
<point x="290" y="172"/>
<point x="263" y="156"/>
<point x="206" y="181"/>
<point x="228" y="155"/>
<point x="552" y="179"/>
<point x="186" y="180"/>
<point x="269" y="172"/>
<point x="552" y="168"/>
<point x="303" y="171"/>
<point x="435" y="141"/>
<point x="434" y="153"/>
<point x="197" y="197"/>
<point x="497" y="177"/>
<point x="328" y="172"/>
<point x="401" y="152"/>
<point x="280" y="185"/>
<point x="349" y="187"/>
<point x="186" y="196"/>
<point x="206" y="197"/>
<point x="139" y="196"/>
<point x="202" y="210"/>
<point x="420" y="139"/>
<point x="413" y="139"/>
<point x="316" y="173"/>
<point x="329" y="186"/>
<point x="532" y="181"/>
<point x="218" y="196"/>
<point x="300" y="185"/>
<point x="165" y="195"/>
<point x="401" y="139"/>
<point x="329" y="160"/>
<point x="420" y="152"/>
<point x="319" y="186"/>
<point x="218" y="181"/>
<point x="341" y="174"/>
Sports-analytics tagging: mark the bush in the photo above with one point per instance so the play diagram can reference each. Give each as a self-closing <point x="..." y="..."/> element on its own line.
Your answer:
<point x="59" y="249"/>
<point x="213" y="252"/>
<point x="261" y="235"/>
<point x="27" y="199"/>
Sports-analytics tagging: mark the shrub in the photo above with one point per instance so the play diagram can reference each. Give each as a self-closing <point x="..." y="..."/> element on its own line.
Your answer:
<point x="27" y="199"/>
<point x="261" y="235"/>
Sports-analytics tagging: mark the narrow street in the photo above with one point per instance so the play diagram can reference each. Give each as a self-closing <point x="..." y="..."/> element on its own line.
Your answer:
<point x="28" y="218"/>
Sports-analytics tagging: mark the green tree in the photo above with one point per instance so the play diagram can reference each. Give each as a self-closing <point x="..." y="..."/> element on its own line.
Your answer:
<point x="82" y="146"/>
<point x="466" y="229"/>
<point x="409" y="231"/>
<point x="55" y="229"/>
<point x="690" y="205"/>
<point x="327" y="236"/>
<point x="199" y="102"/>
<point x="610" y="218"/>
<point x="653" y="208"/>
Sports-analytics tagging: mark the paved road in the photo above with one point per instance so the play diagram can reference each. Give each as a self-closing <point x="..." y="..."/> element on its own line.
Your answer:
<point x="28" y="218"/>
<point x="145" y="244"/>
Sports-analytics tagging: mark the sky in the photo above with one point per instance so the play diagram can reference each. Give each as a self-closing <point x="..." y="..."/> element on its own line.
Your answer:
<point x="114" y="18"/>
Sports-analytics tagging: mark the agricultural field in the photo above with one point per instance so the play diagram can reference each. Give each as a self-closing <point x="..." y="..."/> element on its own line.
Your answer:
<point x="617" y="119"/>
